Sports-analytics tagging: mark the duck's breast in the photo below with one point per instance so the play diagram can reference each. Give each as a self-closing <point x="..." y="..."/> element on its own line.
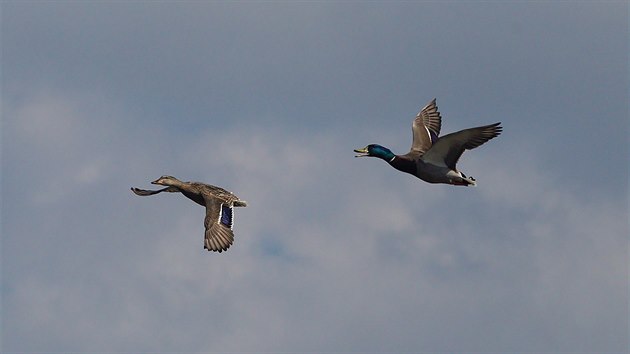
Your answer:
<point x="404" y="164"/>
<point x="195" y="197"/>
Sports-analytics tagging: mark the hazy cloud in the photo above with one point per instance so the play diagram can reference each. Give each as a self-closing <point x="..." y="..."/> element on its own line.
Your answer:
<point x="333" y="253"/>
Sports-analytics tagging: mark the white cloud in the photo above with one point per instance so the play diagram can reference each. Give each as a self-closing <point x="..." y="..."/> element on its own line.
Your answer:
<point x="333" y="253"/>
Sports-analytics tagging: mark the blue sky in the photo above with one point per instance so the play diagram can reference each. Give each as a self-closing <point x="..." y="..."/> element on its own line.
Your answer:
<point x="333" y="253"/>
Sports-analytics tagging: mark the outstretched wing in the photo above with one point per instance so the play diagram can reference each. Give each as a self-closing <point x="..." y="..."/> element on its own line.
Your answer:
<point x="449" y="148"/>
<point x="144" y="192"/>
<point x="219" y="218"/>
<point x="426" y="128"/>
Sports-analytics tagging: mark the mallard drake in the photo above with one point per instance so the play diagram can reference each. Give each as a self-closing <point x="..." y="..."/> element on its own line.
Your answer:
<point x="433" y="158"/>
<point x="218" y="202"/>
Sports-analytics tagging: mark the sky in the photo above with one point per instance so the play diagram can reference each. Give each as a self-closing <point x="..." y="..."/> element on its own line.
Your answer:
<point x="333" y="253"/>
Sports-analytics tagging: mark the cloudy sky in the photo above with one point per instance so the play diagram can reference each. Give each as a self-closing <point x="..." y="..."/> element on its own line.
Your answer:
<point x="333" y="253"/>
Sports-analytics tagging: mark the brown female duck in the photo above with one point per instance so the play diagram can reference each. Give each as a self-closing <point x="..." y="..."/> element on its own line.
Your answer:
<point x="219" y="205"/>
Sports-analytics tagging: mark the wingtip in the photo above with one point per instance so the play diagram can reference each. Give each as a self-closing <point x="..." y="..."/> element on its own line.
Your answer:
<point x="498" y="127"/>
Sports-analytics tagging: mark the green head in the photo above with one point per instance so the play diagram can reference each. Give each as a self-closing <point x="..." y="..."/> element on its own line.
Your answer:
<point x="375" y="150"/>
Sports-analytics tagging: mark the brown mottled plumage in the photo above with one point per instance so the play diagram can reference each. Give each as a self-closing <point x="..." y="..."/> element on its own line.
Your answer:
<point x="219" y="205"/>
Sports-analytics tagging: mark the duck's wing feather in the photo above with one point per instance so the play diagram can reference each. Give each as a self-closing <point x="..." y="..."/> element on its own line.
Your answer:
<point x="219" y="218"/>
<point x="426" y="128"/>
<point x="447" y="150"/>
<point x="145" y="192"/>
<point x="225" y="195"/>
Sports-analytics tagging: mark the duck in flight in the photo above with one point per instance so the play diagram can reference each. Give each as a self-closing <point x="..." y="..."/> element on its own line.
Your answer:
<point x="433" y="158"/>
<point x="218" y="202"/>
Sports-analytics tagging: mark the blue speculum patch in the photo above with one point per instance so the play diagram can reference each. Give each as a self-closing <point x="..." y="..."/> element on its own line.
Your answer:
<point x="226" y="215"/>
<point x="434" y="136"/>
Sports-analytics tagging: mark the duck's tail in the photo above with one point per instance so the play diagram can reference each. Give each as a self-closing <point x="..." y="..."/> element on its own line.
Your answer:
<point x="240" y="203"/>
<point x="470" y="182"/>
<point x="465" y="181"/>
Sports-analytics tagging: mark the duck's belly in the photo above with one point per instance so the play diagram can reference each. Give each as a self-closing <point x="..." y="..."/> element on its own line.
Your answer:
<point x="433" y="174"/>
